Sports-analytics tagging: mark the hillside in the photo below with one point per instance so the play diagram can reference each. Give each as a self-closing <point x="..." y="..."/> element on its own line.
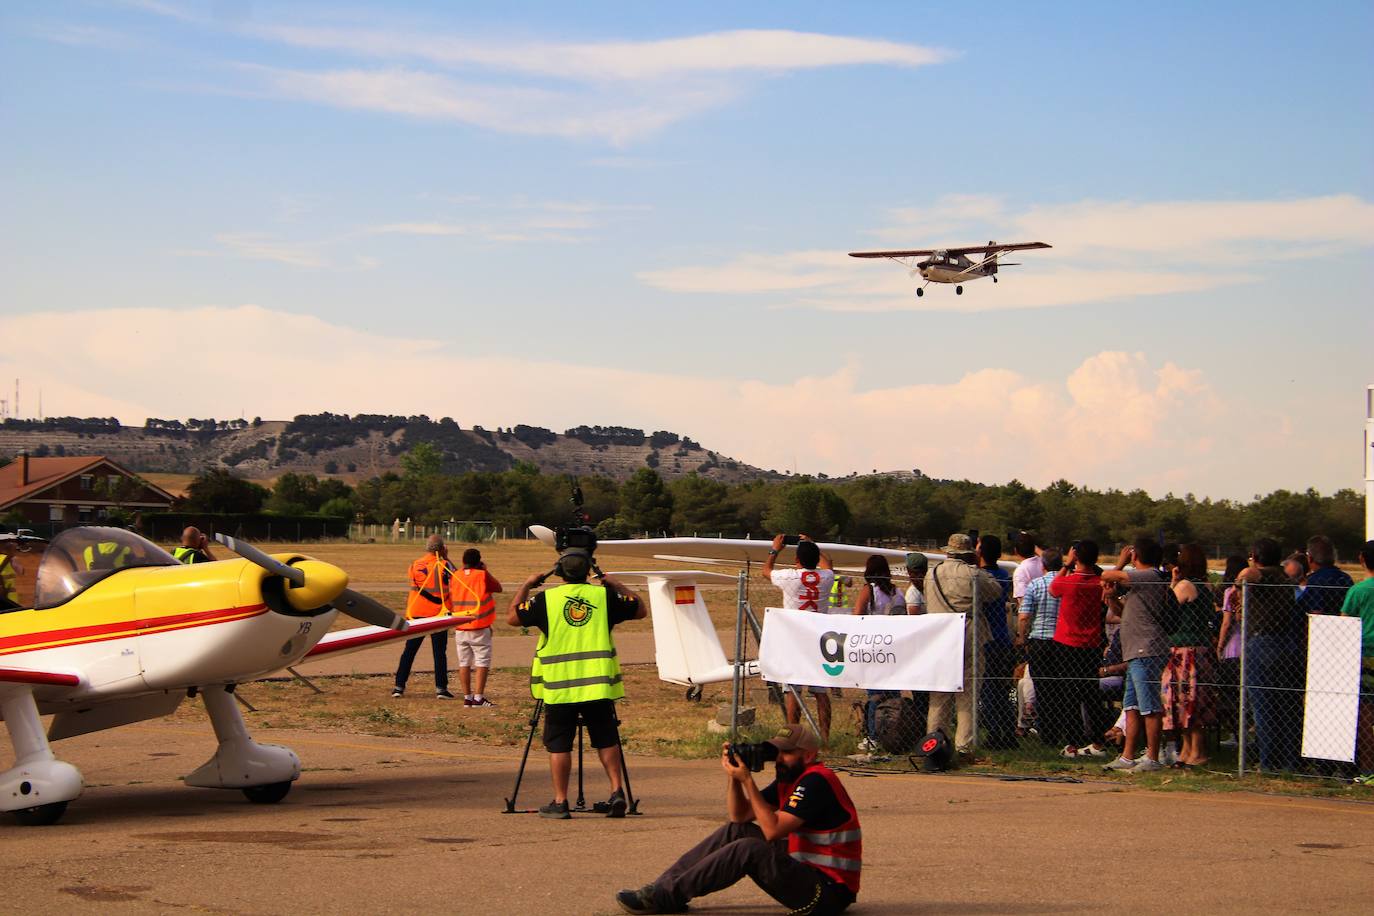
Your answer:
<point x="358" y="447"/>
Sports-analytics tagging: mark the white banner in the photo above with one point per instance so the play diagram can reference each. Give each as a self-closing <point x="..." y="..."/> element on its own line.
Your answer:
<point x="1333" y="688"/>
<point x="925" y="652"/>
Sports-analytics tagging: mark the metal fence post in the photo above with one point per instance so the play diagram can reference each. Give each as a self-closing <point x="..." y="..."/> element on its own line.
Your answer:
<point x="1240" y="724"/>
<point x="737" y="678"/>
<point x="977" y="652"/>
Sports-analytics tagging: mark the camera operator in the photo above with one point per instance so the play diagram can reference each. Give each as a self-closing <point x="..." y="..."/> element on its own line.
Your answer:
<point x="575" y="671"/>
<point x="798" y="838"/>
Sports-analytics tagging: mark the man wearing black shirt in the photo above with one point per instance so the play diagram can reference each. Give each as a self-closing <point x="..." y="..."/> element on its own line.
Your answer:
<point x="798" y="839"/>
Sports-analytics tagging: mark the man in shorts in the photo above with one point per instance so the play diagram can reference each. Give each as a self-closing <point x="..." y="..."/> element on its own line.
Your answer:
<point x="473" y="590"/>
<point x="805" y="587"/>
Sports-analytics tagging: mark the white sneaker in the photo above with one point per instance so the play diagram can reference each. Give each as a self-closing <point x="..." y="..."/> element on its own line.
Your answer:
<point x="1168" y="756"/>
<point x="868" y="744"/>
<point x="1120" y="765"/>
<point x="1092" y="750"/>
<point x="1146" y="765"/>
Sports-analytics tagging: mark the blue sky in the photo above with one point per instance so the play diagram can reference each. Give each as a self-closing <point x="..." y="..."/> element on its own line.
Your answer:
<point x="638" y="213"/>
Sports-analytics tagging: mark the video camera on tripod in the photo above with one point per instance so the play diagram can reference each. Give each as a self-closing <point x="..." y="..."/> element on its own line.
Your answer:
<point x="576" y="539"/>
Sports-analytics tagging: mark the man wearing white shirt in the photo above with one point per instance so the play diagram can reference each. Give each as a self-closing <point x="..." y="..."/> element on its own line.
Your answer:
<point x="1029" y="569"/>
<point x="805" y="587"/>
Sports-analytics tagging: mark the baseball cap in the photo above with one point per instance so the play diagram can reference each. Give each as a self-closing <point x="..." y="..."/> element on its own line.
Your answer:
<point x="917" y="564"/>
<point x="795" y="737"/>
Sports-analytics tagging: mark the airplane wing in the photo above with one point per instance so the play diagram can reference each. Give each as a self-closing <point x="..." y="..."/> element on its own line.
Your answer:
<point x="342" y="642"/>
<point x="914" y="253"/>
<point x="965" y="249"/>
<point x="997" y="246"/>
<point x="741" y="550"/>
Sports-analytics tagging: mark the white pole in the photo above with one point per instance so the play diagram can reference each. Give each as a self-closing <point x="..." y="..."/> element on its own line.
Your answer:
<point x="1369" y="464"/>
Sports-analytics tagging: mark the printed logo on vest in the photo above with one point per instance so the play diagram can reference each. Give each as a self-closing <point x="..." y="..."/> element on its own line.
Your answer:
<point x="577" y="611"/>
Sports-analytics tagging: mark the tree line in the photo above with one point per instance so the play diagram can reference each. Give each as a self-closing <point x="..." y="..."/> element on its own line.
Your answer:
<point x="906" y="510"/>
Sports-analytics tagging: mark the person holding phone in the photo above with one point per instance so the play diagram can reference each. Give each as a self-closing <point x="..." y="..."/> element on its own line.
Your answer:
<point x="805" y="587"/>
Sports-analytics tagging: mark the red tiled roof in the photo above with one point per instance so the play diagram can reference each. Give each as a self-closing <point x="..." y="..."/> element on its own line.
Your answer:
<point x="49" y="472"/>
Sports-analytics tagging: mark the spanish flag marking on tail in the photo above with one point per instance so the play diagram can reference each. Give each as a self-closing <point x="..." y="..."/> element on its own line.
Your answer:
<point x="685" y="594"/>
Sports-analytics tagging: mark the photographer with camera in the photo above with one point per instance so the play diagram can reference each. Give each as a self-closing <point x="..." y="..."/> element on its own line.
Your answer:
<point x="798" y="838"/>
<point x="575" y="671"/>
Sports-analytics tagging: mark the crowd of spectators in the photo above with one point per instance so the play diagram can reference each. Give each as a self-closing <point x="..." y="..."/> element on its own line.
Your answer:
<point x="1145" y="653"/>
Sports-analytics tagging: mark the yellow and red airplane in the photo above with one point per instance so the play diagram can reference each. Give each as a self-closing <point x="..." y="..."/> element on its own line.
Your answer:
<point x="101" y="628"/>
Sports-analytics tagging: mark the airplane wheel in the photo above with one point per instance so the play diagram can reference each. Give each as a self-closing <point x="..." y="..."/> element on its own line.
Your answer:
<point x="40" y="815"/>
<point x="994" y="279"/>
<point x="269" y="794"/>
<point x="694" y="693"/>
<point x="920" y="292"/>
<point x="958" y="290"/>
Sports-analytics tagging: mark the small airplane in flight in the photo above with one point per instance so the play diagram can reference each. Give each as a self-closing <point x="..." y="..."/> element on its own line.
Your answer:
<point x="101" y="628"/>
<point x="952" y="265"/>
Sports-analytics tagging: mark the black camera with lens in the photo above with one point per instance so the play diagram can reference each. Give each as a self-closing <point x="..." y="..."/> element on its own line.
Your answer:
<point x="754" y="756"/>
<point x="579" y="535"/>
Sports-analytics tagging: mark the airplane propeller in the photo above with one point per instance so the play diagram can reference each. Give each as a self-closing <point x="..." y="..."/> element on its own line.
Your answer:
<point x="347" y="601"/>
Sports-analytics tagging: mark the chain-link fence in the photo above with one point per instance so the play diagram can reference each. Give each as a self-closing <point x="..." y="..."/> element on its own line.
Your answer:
<point x="1235" y="677"/>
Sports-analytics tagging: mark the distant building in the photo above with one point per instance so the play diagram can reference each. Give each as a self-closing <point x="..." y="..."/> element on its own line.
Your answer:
<point x="50" y="494"/>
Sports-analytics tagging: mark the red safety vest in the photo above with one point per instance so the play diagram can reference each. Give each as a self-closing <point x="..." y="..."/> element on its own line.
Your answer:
<point x="837" y="852"/>
<point x="470" y="596"/>
<point x="430" y="582"/>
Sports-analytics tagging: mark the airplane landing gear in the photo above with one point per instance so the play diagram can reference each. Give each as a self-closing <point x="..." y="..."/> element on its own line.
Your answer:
<point x="37" y="788"/>
<point x="694" y="693"/>
<point x="263" y="771"/>
<point x="994" y="278"/>
<point x="920" y="291"/>
<point x="41" y="816"/>
<point x="267" y="795"/>
<point x="958" y="290"/>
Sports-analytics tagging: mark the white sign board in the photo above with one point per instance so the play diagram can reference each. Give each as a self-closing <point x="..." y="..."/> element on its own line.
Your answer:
<point x="925" y="652"/>
<point x="1333" y="688"/>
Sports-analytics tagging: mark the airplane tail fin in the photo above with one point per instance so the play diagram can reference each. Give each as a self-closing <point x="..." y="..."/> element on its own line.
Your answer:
<point x="687" y="649"/>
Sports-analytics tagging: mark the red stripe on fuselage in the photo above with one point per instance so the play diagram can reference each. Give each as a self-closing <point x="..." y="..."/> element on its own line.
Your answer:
<point x="103" y="631"/>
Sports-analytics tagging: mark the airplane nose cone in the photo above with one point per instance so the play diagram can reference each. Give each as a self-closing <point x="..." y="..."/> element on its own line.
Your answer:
<point x="323" y="583"/>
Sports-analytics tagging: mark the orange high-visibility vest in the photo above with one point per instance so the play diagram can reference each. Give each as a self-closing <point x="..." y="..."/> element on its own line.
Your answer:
<point x="430" y="581"/>
<point x="470" y="596"/>
<point x="838" y="852"/>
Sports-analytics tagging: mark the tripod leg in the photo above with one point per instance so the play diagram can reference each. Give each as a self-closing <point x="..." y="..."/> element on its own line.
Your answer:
<point x="534" y="723"/>
<point x="630" y="800"/>
<point x="581" y="795"/>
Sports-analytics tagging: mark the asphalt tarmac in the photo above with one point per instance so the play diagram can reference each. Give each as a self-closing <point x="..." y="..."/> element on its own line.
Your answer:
<point x="379" y="825"/>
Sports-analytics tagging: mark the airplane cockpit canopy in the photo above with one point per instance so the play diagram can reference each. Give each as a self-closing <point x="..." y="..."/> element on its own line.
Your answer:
<point x="80" y="557"/>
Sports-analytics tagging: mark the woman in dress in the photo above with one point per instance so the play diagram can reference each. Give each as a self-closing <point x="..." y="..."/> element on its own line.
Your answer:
<point x="1188" y="680"/>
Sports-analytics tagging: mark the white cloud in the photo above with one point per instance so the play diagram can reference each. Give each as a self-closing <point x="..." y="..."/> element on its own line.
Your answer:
<point x="1103" y="251"/>
<point x="257" y="246"/>
<point x="758" y="50"/>
<point x="611" y="90"/>
<point x="1120" y="419"/>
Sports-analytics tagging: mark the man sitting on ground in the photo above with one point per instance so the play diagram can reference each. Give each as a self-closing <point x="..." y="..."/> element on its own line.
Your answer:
<point x="798" y="838"/>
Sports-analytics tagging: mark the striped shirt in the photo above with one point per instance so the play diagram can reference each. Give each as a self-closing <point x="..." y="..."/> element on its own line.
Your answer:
<point x="1040" y="605"/>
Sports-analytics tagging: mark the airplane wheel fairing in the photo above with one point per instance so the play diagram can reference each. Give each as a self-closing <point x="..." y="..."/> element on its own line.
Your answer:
<point x="40" y="816"/>
<point x="269" y="794"/>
